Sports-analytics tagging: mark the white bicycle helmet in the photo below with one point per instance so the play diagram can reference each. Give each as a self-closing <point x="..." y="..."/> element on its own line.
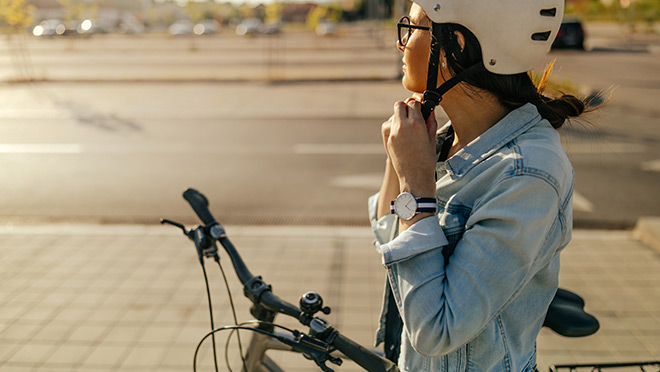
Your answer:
<point x="514" y="34"/>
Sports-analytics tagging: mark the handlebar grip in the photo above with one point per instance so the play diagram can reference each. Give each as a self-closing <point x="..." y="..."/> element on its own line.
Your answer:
<point x="363" y="356"/>
<point x="200" y="205"/>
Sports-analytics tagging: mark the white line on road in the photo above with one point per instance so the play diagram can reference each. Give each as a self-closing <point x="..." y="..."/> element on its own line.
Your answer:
<point x="359" y="181"/>
<point x="597" y="148"/>
<point x="339" y="149"/>
<point x="652" y="166"/>
<point x="43" y="148"/>
<point x="582" y="204"/>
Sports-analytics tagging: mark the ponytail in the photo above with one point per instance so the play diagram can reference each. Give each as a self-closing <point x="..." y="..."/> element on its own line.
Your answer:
<point x="557" y="110"/>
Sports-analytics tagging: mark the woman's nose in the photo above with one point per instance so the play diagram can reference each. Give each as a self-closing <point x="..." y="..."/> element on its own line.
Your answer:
<point x="399" y="46"/>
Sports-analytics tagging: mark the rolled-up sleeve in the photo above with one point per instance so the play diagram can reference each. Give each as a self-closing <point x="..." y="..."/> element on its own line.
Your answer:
<point x="421" y="237"/>
<point x="384" y="228"/>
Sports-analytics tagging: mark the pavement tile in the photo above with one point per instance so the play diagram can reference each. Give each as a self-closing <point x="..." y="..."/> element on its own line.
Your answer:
<point x="143" y="356"/>
<point x="88" y="333"/>
<point x="106" y="356"/>
<point x="138" y="314"/>
<point x="178" y="357"/>
<point x="32" y="353"/>
<point x="54" y="332"/>
<point x="159" y="335"/>
<point x="123" y="334"/>
<point x="19" y="330"/>
<point x="69" y="354"/>
<point x="623" y="342"/>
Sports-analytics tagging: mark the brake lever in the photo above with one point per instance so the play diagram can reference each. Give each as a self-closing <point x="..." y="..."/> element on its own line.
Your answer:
<point x="312" y="348"/>
<point x="165" y="221"/>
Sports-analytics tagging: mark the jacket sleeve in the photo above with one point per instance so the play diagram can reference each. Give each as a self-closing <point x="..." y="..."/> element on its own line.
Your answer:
<point x="385" y="228"/>
<point x="445" y="306"/>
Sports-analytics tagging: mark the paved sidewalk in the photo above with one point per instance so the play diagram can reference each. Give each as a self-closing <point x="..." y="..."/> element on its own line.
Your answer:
<point x="131" y="298"/>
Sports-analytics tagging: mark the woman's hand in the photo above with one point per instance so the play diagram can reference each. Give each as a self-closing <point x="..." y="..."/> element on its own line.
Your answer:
<point x="410" y="146"/>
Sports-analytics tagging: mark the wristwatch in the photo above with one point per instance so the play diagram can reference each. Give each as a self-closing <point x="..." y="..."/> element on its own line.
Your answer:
<point x="406" y="206"/>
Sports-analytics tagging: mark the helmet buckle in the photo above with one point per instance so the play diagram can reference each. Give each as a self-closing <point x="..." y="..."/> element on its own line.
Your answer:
<point x="437" y="7"/>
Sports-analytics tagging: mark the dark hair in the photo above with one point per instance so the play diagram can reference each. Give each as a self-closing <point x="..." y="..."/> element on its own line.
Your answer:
<point x="512" y="91"/>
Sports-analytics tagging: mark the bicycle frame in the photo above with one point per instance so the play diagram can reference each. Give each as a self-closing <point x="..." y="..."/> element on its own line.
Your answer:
<point x="256" y="358"/>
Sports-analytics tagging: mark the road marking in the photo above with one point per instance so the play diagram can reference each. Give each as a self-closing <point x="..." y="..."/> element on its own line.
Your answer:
<point x="359" y="181"/>
<point x="582" y="204"/>
<point x="43" y="148"/>
<point x="652" y="166"/>
<point x="603" y="148"/>
<point x="338" y="149"/>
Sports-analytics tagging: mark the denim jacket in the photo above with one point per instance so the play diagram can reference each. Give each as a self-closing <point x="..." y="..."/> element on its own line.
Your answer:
<point x="472" y="284"/>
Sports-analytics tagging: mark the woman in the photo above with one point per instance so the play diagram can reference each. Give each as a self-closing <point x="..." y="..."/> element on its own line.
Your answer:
<point x="470" y="218"/>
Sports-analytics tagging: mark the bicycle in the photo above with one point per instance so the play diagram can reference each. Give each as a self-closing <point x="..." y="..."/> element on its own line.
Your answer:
<point x="323" y="343"/>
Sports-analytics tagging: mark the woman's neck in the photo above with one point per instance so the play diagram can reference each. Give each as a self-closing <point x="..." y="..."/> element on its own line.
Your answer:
<point x="471" y="115"/>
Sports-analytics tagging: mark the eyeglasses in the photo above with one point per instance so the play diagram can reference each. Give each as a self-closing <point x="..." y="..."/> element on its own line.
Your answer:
<point x="405" y="29"/>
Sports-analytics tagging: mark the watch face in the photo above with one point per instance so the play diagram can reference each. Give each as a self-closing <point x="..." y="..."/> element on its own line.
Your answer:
<point x="405" y="205"/>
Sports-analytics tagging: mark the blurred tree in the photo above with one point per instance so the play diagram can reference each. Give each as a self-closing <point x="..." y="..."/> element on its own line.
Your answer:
<point x="375" y="9"/>
<point x="332" y="13"/>
<point x="246" y="11"/>
<point x="648" y="12"/>
<point x="273" y="13"/>
<point x="15" y="15"/>
<point x="75" y="9"/>
<point x="315" y="16"/>
<point x="625" y="11"/>
<point x="199" y="11"/>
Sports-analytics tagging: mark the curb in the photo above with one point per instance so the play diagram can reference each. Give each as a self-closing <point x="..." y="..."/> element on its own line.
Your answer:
<point x="647" y="231"/>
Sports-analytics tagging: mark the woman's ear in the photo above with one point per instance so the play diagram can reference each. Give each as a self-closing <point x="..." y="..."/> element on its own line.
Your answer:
<point x="461" y="39"/>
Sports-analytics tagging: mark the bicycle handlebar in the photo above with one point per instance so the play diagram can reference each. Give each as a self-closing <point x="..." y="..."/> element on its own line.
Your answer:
<point x="259" y="292"/>
<point x="200" y="205"/>
<point x="362" y="356"/>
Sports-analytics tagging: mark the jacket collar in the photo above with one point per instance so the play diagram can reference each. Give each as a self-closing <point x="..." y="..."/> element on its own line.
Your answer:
<point x="511" y="126"/>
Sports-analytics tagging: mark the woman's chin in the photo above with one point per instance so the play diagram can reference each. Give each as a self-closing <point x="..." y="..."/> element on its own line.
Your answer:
<point x="409" y="85"/>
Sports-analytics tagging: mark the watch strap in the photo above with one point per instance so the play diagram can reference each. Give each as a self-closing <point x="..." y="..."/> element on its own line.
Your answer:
<point x="424" y="205"/>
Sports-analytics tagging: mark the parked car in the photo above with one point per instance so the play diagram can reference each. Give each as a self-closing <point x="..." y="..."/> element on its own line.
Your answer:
<point x="249" y="26"/>
<point x="181" y="27"/>
<point x="88" y="27"/>
<point x="570" y="35"/>
<point x="131" y="27"/>
<point x="325" y="28"/>
<point x="270" y="28"/>
<point x="206" y="27"/>
<point x="49" y="27"/>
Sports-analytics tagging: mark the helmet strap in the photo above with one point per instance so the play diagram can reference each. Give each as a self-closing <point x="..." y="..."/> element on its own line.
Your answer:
<point x="433" y="93"/>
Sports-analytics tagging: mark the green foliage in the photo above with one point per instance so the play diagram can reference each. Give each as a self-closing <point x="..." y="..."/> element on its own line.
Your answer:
<point x="273" y="13"/>
<point x="378" y="9"/>
<point x="15" y="15"/>
<point x="75" y="9"/>
<point x="199" y="11"/>
<point x="647" y="11"/>
<point x="332" y="13"/>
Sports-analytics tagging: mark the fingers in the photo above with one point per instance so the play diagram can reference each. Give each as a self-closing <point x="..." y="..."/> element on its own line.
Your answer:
<point x="432" y="128"/>
<point x="415" y="112"/>
<point x="400" y="112"/>
<point x="414" y="115"/>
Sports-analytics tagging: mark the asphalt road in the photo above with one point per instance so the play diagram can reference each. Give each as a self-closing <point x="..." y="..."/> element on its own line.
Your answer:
<point x="108" y="148"/>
